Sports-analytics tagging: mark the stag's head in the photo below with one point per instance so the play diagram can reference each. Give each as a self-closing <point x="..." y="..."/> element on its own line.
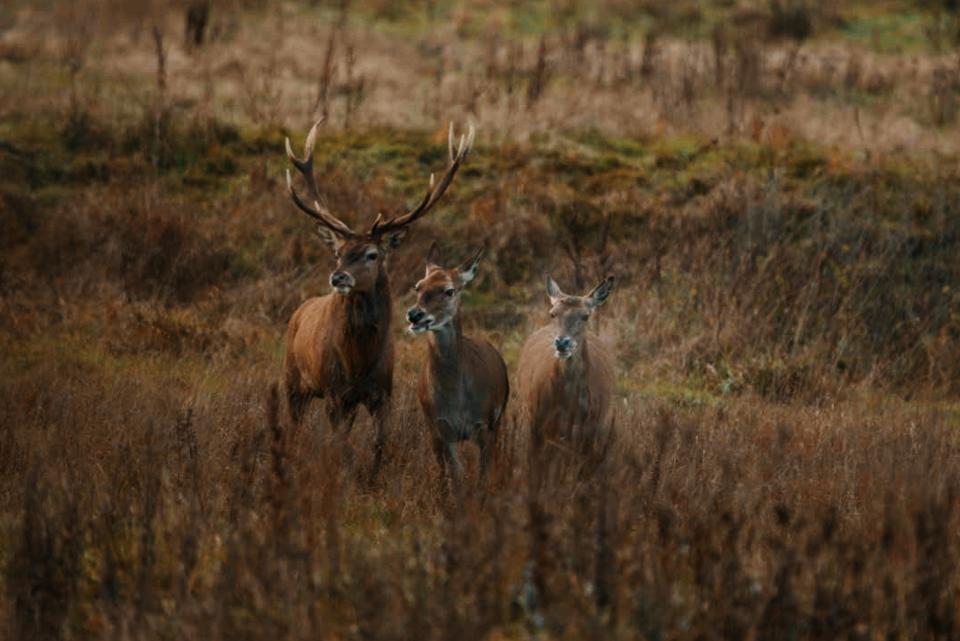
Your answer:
<point x="438" y="293"/>
<point x="571" y="313"/>
<point x="360" y="254"/>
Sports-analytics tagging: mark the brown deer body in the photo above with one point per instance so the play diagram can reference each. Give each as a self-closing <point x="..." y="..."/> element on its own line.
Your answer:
<point x="463" y="386"/>
<point x="565" y="373"/>
<point x="339" y="346"/>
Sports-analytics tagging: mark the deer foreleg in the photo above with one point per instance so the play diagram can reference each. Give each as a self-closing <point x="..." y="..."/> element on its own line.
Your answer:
<point x="339" y="414"/>
<point x="485" y="437"/>
<point x="296" y="406"/>
<point x="446" y="453"/>
<point x="380" y="412"/>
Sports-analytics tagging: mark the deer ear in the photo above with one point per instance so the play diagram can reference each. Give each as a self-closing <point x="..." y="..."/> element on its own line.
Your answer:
<point x="394" y="239"/>
<point x="329" y="239"/>
<point x="433" y="257"/>
<point x="601" y="292"/>
<point x="468" y="270"/>
<point x="553" y="291"/>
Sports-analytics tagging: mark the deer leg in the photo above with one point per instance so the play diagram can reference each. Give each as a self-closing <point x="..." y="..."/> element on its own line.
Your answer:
<point x="297" y="399"/>
<point x="339" y="415"/>
<point x="348" y="421"/>
<point x="455" y="468"/>
<point x="380" y="411"/>
<point x="297" y="406"/>
<point x="485" y="437"/>
<point x="440" y="451"/>
<point x="446" y="454"/>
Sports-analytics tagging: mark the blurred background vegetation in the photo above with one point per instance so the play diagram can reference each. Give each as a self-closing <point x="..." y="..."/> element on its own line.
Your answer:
<point x="775" y="183"/>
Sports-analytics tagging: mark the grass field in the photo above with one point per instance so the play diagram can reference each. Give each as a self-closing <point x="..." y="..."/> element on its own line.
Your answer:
<point x="775" y="185"/>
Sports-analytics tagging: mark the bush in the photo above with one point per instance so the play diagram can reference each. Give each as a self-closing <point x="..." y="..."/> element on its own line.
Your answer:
<point x="791" y="19"/>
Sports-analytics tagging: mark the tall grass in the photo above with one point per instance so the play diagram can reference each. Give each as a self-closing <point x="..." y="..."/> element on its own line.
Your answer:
<point x="783" y="454"/>
<point x="132" y="510"/>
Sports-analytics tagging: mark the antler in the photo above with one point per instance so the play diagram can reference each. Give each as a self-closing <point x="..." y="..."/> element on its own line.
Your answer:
<point x="318" y="212"/>
<point x="433" y="192"/>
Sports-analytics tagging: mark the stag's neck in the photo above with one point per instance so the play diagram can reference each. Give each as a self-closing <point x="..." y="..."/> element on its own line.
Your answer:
<point x="367" y="311"/>
<point x="445" y="346"/>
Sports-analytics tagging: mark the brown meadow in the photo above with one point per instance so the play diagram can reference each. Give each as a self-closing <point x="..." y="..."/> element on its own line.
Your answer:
<point x="777" y="197"/>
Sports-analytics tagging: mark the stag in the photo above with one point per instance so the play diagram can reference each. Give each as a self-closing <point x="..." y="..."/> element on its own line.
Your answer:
<point x="463" y="385"/>
<point x="339" y="346"/>
<point x="566" y="374"/>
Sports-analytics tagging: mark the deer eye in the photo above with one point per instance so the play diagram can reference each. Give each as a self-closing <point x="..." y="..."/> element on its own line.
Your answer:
<point x="372" y="255"/>
<point x="450" y="292"/>
<point x="416" y="287"/>
<point x="584" y="317"/>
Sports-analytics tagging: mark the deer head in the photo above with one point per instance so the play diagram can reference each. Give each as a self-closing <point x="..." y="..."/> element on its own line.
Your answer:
<point x="571" y="313"/>
<point x="438" y="294"/>
<point x="360" y="255"/>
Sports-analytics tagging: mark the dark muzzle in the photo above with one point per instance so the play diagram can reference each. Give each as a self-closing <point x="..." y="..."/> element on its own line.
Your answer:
<point x="339" y="279"/>
<point x="415" y="315"/>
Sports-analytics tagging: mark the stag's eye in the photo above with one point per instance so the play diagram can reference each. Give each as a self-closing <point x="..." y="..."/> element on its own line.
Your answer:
<point x="416" y="287"/>
<point x="372" y="255"/>
<point x="584" y="317"/>
<point x="450" y="292"/>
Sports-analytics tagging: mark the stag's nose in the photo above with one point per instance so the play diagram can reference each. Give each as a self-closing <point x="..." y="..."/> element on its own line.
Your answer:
<point x="562" y="343"/>
<point x="415" y="314"/>
<point x="339" y="279"/>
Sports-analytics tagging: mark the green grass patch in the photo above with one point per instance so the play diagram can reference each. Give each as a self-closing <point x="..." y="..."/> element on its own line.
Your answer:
<point x="888" y="31"/>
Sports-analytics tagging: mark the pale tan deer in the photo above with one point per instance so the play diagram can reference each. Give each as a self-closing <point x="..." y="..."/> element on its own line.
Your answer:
<point x="463" y="385"/>
<point x="339" y="345"/>
<point x="565" y="373"/>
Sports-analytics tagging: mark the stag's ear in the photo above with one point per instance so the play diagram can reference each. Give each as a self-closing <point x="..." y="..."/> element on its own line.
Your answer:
<point x="329" y="239"/>
<point x="601" y="292"/>
<point x="395" y="238"/>
<point x="468" y="270"/>
<point x="433" y="257"/>
<point x="553" y="291"/>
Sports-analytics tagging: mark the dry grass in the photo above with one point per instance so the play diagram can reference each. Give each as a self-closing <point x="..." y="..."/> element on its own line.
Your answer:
<point x="269" y="65"/>
<point x="154" y="509"/>
<point x="782" y="214"/>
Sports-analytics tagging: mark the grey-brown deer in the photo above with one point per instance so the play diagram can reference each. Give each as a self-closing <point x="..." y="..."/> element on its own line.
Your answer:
<point x="463" y="386"/>
<point x="339" y="346"/>
<point x="566" y="373"/>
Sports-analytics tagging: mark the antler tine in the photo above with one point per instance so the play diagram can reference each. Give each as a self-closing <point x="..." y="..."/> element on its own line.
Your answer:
<point x="305" y="166"/>
<point x="298" y="202"/>
<point x="318" y="212"/>
<point x="449" y="141"/>
<point x="435" y="190"/>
